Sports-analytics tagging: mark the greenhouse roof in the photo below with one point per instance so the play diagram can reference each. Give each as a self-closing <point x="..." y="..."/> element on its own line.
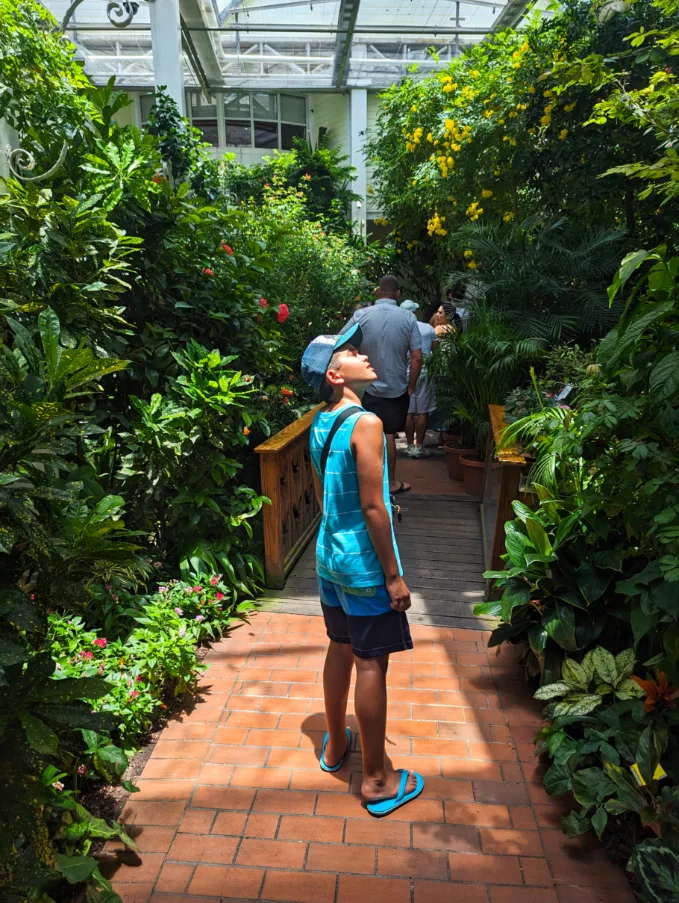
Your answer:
<point x="295" y="44"/>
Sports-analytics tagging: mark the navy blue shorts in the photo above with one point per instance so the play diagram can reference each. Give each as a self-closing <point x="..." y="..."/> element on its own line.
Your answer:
<point x="365" y="619"/>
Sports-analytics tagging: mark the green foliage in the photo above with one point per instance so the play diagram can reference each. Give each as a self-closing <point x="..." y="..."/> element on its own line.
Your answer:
<point x="320" y="174"/>
<point x="472" y="369"/>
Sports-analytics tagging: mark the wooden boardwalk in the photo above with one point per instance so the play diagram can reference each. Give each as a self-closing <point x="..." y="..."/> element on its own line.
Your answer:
<point x="440" y="544"/>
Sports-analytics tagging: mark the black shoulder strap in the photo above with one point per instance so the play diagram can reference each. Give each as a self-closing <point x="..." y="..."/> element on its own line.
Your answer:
<point x="339" y="420"/>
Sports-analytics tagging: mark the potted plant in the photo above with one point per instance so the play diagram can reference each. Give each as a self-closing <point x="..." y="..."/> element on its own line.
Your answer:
<point x="468" y="371"/>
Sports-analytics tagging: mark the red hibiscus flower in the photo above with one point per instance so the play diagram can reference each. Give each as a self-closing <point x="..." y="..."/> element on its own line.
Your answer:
<point x="263" y="302"/>
<point x="283" y="313"/>
<point x="227" y="248"/>
<point x="208" y="272"/>
<point x="286" y="392"/>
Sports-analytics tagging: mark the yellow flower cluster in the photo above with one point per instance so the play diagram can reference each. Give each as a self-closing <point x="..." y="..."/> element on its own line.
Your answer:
<point x="512" y="141"/>
<point x="413" y="138"/>
<point x="474" y="211"/>
<point x="508" y="217"/>
<point x="451" y="143"/>
<point x="381" y="221"/>
<point x="563" y="134"/>
<point x="448" y="84"/>
<point x="569" y="107"/>
<point x="470" y="263"/>
<point x="435" y="225"/>
<point x="486" y="193"/>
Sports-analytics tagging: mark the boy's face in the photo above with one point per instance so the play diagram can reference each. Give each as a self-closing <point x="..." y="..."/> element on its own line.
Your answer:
<point x="351" y="369"/>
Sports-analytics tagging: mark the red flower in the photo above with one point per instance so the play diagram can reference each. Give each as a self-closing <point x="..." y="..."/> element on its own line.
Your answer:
<point x="208" y="272"/>
<point x="198" y="589"/>
<point x="87" y="655"/>
<point x="101" y="643"/>
<point x="286" y="392"/>
<point x="226" y="248"/>
<point x="158" y="178"/>
<point x="263" y="302"/>
<point x="219" y="596"/>
<point x="283" y="313"/>
<point x="658" y="695"/>
<point x="134" y="694"/>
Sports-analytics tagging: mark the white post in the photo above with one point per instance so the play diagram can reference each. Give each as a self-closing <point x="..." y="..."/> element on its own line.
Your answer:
<point x="358" y="124"/>
<point x="166" y="40"/>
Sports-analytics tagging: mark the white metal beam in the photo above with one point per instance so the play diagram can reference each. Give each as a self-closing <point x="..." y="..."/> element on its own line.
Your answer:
<point x="166" y="39"/>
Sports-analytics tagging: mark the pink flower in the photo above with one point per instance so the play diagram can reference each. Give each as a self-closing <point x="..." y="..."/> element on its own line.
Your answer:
<point x="58" y="785"/>
<point x="87" y="655"/>
<point x="115" y="598"/>
<point x="219" y="596"/>
<point x="182" y="632"/>
<point x="139" y="678"/>
<point x="263" y="302"/>
<point x="200" y="618"/>
<point x="208" y="272"/>
<point x="214" y="580"/>
<point x="134" y="694"/>
<point x="101" y="642"/>
<point x="198" y="589"/>
<point x="179" y="611"/>
<point x="108" y="587"/>
<point x="162" y="589"/>
<point x="283" y="313"/>
<point x="82" y="769"/>
<point x="226" y="248"/>
<point x="101" y="670"/>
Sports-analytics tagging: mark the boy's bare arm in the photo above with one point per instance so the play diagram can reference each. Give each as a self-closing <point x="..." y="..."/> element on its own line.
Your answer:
<point x="367" y="444"/>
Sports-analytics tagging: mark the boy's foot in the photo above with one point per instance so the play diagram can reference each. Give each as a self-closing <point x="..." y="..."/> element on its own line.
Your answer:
<point x="379" y="790"/>
<point x="420" y="452"/>
<point x="332" y="757"/>
<point x="410" y="451"/>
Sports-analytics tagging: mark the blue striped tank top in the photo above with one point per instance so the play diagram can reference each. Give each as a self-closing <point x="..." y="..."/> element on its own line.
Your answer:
<point x="344" y="551"/>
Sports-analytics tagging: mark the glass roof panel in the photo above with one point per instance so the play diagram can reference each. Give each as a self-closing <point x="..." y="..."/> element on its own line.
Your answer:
<point x="283" y="44"/>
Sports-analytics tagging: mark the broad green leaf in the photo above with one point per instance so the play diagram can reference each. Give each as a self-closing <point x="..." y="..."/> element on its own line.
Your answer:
<point x="649" y="750"/>
<point x="604" y="665"/>
<point x="40" y="737"/>
<point x="559" y="623"/>
<point x="588" y="665"/>
<point x="641" y="621"/>
<point x="11" y="653"/>
<point x="538" y="536"/>
<point x="664" y="377"/>
<point x="599" y="821"/>
<point x="75" y="868"/>
<point x="557" y="779"/>
<point x="577" y="704"/>
<point x="488" y="609"/>
<point x="512" y="598"/>
<point x="50" y="328"/>
<point x="629" y="689"/>
<point x="552" y="691"/>
<point x="574" y="674"/>
<point x="624" y="663"/>
<point x="629" y="264"/>
<point x="574" y="824"/>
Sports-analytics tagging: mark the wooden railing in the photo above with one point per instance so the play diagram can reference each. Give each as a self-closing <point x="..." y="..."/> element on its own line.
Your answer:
<point x="501" y="486"/>
<point x="293" y="515"/>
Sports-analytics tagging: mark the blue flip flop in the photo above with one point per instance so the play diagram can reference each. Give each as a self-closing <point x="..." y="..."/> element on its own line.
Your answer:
<point x="336" y="767"/>
<point x="380" y="808"/>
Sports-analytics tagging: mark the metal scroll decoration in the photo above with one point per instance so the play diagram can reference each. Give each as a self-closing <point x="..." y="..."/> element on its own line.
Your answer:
<point x="120" y="12"/>
<point x="22" y="161"/>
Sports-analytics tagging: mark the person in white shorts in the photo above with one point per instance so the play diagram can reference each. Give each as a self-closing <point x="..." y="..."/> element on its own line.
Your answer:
<point x="422" y="400"/>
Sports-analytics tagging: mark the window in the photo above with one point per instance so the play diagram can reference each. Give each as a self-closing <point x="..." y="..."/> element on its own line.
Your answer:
<point x="289" y="132"/>
<point x="204" y="117"/>
<point x="251" y="119"/>
<point x="146" y="103"/>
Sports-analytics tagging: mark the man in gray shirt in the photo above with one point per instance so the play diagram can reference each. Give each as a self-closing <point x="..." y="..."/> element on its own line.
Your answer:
<point x="389" y="335"/>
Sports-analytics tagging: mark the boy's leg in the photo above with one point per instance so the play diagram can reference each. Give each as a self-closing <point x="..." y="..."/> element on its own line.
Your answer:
<point x="370" y="701"/>
<point x="336" y="680"/>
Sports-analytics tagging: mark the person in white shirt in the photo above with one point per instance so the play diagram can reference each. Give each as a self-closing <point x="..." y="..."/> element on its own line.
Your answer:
<point x="422" y="400"/>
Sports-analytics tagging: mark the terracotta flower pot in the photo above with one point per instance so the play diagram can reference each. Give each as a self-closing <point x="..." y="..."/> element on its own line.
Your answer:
<point x="472" y="473"/>
<point x="452" y="439"/>
<point x="453" y="456"/>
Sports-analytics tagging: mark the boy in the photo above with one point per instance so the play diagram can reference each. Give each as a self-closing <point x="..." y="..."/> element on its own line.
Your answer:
<point x="363" y="596"/>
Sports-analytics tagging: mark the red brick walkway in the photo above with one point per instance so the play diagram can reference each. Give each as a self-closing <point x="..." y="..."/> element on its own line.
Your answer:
<point x="233" y="805"/>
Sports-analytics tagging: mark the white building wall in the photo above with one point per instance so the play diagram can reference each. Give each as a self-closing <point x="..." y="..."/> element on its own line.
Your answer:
<point x="374" y="209"/>
<point x="330" y="111"/>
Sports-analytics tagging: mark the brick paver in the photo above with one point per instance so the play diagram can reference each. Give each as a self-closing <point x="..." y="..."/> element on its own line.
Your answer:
<point x="233" y="806"/>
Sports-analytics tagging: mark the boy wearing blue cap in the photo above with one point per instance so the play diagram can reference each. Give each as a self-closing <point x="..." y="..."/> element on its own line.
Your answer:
<point x="363" y="595"/>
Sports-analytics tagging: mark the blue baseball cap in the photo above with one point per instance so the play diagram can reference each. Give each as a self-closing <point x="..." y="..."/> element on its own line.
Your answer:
<point x="410" y="305"/>
<point x="318" y="354"/>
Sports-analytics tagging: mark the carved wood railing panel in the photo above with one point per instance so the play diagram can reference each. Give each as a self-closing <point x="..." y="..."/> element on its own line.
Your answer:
<point x="287" y="480"/>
